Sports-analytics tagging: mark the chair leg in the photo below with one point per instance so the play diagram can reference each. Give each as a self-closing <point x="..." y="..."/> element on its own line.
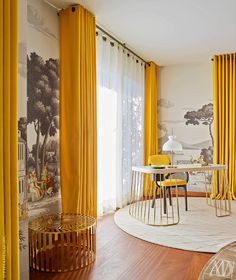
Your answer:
<point x="154" y="196"/>
<point x="169" y="195"/>
<point x="186" y="198"/>
<point x="164" y="199"/>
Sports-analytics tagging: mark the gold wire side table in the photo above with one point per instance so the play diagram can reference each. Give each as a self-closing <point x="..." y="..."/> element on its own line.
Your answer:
<point x="62" y="242"/>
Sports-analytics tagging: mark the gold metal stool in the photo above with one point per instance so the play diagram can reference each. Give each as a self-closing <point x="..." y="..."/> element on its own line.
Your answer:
<point x="62" y="242"/>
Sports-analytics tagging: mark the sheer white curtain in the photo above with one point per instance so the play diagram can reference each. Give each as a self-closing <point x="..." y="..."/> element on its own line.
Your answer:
<point x="120" y="118"/>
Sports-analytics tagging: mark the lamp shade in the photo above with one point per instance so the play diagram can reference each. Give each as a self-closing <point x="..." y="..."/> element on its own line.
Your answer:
<point x="172" y="145"/>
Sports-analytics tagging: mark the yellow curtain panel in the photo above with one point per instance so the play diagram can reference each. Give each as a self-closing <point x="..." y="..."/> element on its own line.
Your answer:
<point x="150" y="112"/>
<point x="224" y="94"/>
<point x="150" y="117"/>
<point x="9" y="256"/>
<point x="78" y="136"/>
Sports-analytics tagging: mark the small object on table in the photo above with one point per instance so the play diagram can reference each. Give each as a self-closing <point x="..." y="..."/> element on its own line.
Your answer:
<point x="62" y="242"/>
<point x="200" y="160"/>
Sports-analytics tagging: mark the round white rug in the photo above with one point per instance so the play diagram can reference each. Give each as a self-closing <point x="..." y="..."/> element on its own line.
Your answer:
<point x="199" y="229"/>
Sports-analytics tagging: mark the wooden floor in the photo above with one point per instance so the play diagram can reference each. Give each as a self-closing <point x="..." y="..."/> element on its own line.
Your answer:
<point x="121" y="256"/>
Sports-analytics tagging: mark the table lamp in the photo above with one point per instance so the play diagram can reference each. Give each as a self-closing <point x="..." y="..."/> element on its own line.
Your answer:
<point x="172" y="145"/>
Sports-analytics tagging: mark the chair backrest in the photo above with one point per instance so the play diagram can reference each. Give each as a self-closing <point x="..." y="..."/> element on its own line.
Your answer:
<point x="165" y="160"/>
<point x="159" y="160"/>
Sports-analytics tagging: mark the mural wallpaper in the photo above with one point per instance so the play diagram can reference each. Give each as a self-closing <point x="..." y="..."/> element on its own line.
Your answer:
<point x="22" y="139"/>
<point x="203" y="116"/>
<point x="38" y="118"/>
<point x="201" y="152"/>
<point x="43" y="174"/>
<point x="43" y="114"/>
<point x="192" y="125"/>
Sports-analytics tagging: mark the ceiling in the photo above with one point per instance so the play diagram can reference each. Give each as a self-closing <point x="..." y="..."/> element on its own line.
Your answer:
<point x="167" y="31"/>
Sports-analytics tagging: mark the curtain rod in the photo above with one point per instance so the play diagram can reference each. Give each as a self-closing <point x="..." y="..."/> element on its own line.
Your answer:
<point x="122" y="44"/>
<point x="104" y="31"/>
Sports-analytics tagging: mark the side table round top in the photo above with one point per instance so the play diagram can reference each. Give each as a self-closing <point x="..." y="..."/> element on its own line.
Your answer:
<point x="56" y="223"/>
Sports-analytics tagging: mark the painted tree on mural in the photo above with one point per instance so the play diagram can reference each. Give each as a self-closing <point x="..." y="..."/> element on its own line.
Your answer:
<point x="207" y="154"/>
<point x="36" y="149"/>
<point x="50" y="124"/>
<point x="35" y="108"/>
<point x="203" y="116"/>
<point x="43" y="102"/>
<point x="22" y="127"/>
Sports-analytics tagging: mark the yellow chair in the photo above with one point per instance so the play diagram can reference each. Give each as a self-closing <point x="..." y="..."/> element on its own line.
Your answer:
<point x="166" y="181"/>
<point x="159" y="160"/>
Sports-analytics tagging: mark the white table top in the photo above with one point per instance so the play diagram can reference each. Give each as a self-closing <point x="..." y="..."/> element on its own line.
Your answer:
<point x="179" y="168"/>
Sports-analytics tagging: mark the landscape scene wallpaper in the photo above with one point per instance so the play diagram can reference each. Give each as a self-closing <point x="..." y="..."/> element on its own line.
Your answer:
<point x="38" y="118"/>
<point x="185" y="108"/>
<point x="43" y="174"/>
